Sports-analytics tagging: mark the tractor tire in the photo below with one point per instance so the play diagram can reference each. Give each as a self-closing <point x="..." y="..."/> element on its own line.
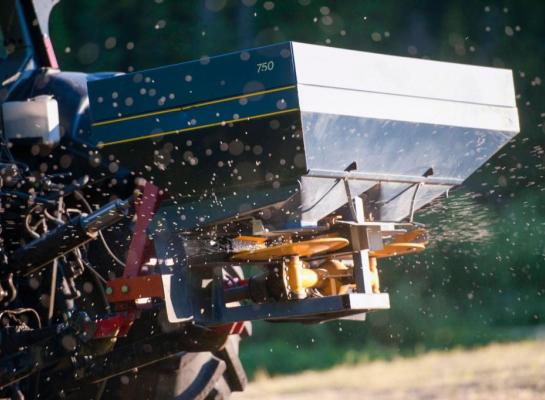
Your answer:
<point x="186" y="376"/>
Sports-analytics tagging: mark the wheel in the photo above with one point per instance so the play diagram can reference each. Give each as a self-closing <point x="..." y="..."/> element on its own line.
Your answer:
<point x="186" y="376"/>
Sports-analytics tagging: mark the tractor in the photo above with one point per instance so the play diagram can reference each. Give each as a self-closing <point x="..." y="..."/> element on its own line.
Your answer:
<point x="147" y="218"/>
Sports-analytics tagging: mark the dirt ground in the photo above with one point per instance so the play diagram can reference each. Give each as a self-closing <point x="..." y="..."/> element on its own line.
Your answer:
<point x="495" y="372"/>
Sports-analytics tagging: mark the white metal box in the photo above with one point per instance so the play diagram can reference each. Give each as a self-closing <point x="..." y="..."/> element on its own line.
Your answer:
<point x="37" y="118"/>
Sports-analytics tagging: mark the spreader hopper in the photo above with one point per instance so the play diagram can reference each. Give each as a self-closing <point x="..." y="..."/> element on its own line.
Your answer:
<point x="303" y="125"/>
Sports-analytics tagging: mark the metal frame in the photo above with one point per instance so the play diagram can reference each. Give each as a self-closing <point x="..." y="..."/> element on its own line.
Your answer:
<point x="187" y="302"/>
<point x="377" y="177"/>
<point x="312" y="309"/>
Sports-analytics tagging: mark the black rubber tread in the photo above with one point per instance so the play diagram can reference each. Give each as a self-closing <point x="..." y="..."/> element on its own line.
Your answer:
<point x="197" y="379"/>
<point x="235" y="375"/>
<point x="187" y="376"/>
<point x="221" y="390"/>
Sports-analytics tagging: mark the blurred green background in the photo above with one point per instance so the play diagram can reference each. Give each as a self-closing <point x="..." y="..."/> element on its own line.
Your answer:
<point x="483" y="277"/>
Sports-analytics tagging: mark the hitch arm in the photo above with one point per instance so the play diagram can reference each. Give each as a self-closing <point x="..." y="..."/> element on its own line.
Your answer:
<point x="67" y="237"/>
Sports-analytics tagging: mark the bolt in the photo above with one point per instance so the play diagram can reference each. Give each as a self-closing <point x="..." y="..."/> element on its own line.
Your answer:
<point x="124" y="289"/>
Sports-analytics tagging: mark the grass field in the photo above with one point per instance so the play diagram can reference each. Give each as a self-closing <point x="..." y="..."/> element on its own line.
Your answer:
<point x="495" y="372"/>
